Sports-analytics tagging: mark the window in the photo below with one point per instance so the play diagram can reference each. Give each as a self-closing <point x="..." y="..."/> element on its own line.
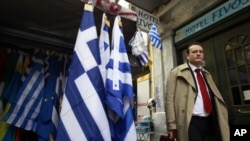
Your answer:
<point x="237" y="55"/>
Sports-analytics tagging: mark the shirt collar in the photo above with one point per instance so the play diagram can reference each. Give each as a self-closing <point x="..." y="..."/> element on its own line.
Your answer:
<point x="194" y="67"/>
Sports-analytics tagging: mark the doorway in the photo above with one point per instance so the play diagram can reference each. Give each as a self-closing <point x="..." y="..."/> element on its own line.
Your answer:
<point x="232" y="60"/>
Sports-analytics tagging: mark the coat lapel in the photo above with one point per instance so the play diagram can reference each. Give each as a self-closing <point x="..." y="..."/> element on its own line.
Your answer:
<point x="212" y="87"/>
<point x="186" y="74"/>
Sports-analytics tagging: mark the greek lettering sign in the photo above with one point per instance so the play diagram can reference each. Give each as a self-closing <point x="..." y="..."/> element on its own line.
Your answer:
<point x="226" y="9"/>
<point x="145" y="20"/>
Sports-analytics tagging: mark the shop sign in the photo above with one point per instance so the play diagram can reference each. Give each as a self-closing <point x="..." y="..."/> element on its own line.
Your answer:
<point x="145" y="20"/>
<point x="226" y="9"/>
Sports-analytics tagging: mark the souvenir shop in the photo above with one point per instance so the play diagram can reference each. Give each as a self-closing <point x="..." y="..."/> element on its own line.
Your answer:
<point x="33" y="75"/>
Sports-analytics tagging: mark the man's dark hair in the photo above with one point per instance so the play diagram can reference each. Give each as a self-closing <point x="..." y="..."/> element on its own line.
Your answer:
<point x="193" y="43"/>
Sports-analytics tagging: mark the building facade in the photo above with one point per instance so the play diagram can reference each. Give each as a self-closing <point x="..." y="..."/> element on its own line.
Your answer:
<point x="222" y="26"/>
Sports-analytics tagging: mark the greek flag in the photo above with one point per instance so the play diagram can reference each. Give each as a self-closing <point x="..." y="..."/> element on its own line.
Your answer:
<point x="83" y="117"/>
<point x="155" y="37"/>
<point x="143" y="58"/>
<point x="119" y="96"/>
<point x="26" y="105"/>
<point x="104" y="45"/>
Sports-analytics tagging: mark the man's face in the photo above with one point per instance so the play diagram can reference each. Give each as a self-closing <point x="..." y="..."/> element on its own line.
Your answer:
<point x="195" y="55"/>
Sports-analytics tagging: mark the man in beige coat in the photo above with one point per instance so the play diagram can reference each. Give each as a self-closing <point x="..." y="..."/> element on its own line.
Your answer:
<point x="186" y="117"/>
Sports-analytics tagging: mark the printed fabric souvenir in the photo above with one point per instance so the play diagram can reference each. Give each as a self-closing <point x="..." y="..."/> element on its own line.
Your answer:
<point x="137" y="43"/>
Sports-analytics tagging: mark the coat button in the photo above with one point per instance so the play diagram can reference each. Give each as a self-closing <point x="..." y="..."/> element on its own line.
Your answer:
<point x="182" y="110"/>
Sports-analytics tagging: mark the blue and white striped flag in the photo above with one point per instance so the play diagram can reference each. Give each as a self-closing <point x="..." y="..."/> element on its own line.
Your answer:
<point x="143" y="58"/>
<point x="119" y="96"/>
<point x="83" y="117"/>
<point x="155" y="37"/>
<point x="25" y="107"/>
<point x="104" y="45"/>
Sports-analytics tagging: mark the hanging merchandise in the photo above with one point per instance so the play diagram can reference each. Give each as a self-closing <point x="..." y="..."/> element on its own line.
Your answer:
<point x="138" y="47"/>
<point x="137" y="43"/>
<point x="33" y="86"/>
<point x="48" y="115"/>
<point x="154" y="37"/>
<point x="104" y="45"/>
<point x="15" y="81"/>
<point x="37" y="94"/>
<point x="25" y="108"/>
<point x="7" y="131"/>
<point x="83" y="116"/>
<point x="119" y="88"/>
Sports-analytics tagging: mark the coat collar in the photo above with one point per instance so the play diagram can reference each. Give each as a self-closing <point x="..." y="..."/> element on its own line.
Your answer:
<point x="185" y="72"/>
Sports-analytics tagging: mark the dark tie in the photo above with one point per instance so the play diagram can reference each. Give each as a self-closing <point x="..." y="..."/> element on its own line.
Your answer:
<point x="205" y="96"/>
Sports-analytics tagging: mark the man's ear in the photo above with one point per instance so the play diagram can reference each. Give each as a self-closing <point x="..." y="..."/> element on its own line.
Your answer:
<point x="186" y="56"/>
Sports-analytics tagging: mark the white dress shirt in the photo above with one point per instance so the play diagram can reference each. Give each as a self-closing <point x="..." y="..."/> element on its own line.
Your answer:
<point x="198" y="106"/>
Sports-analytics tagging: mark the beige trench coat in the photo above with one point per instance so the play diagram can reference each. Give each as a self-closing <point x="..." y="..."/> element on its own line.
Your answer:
<point x="180" y="99"/>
